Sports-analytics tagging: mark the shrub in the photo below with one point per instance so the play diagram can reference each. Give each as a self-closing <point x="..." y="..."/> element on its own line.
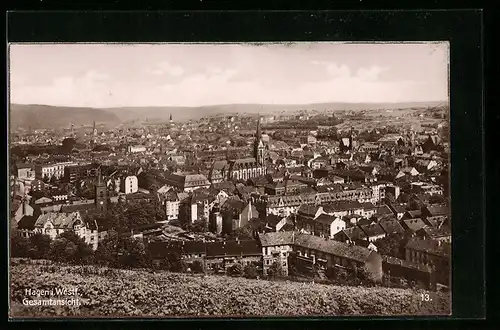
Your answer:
<point x="39" y="246"/>
<point x="19" y="247"/>
<point x="276" y="270"/>
<point x="62" y="250"/>
<point x="197" y="267"/>
<point x="235" y="270"/>
<point x="250" y="271"/>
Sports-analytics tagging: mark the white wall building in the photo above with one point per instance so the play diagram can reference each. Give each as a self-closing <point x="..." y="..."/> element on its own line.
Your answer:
<point x="129" y="185"/>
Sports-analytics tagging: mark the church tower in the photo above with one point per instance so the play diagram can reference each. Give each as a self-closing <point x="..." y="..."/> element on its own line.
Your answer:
<point x="258" y="146"/>
<point x="100" y="193"/>
<point x="350" y="138"/>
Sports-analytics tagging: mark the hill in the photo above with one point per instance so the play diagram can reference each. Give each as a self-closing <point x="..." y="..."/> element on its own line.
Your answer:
<point x="105" y="292"/>
<point x="42" y="116"/>
<point x="45" y="116"/>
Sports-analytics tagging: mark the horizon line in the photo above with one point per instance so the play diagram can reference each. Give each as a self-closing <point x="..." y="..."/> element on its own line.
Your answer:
<point x="226" y="104"/>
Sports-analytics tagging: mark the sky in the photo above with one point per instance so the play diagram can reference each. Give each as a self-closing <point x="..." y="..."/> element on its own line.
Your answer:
<point x="116" y="75"/>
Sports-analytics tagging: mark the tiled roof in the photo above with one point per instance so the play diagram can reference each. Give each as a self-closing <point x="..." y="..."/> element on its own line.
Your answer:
<point x="308" y="210"/>
<point x="332" y="247"/>
<point x="391" y="227"/>
<point x="438" y="210"/>
<point x="325" y="219"/>
<point x="27" y="222"/>
<point x="405" y="264"/>
<point x="430" y="246"/>
<point x="58" y="220"/>
<point x="414" y="224"/>
<point x="342" y="205"/>
<point x="372" y="230"/>
<point x="233" y="248"/>
<point x="278" y="238"/>
<point x="354" y="233"/>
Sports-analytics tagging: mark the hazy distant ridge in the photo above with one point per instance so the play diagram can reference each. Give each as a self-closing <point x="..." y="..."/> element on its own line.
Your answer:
<point x="44" y="116"/>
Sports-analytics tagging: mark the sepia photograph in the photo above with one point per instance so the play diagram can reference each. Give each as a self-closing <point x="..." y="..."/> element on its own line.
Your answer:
<point x="229" y="180"/>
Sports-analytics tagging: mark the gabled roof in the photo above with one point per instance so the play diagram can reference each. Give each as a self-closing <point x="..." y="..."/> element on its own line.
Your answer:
<point x="414" y="213"/>
<point x="27" y="222"/>
<point x="368" y="206"/>
<point x="332" y="247"/>
<point x="372" y="230"/>
<point x="438" y="210"/>
<point x="414" y="224"/>
<point x="43" y="200"/>
<point x="277" y="238"/>
<point x="77" y="207"/>
<point x="325" y="219"/>
<point x="430" y="246"/>
<point x="435" y="233"/>
<point x="308" y="210"/>
<point x="391" y="227"/>
<point x="354" y="233"/>
<point x="405" y="264"/>
<point x="58" y="220"/>
<point x="342" y="205"/>
<point x="233" y="248"/>
<point x="383" y="210"/>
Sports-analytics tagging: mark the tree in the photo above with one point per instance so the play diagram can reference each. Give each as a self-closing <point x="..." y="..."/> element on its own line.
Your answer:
<point x="364" y="276"/>
<point x="276" y="270"/>
<point x="243" y="233"/>
<point x="19" y="246"/>
<point x="176" y="263"/>
<point x="68" y="144"/>
<point x="235" y="270"/>
<point x="53" y="180"/>
<point x="436" y="199"/>
<point x="121" y="251"/>
<point x="197" y="267"/>
<point x="62" y="250"/>
<point x="389" y="198"/>
<point x="200" y="226"/>
<point x="83" y="252"/>
<point x="39" y="246"/>
<point x="250" y="271"/>
<point x="389" y="245"/>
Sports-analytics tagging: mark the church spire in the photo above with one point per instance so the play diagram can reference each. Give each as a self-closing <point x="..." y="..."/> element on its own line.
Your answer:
<point x="258" y="132"/>
<point x="99" y="176"/>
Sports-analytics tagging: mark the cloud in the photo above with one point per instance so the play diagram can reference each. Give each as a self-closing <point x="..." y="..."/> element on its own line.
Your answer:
<point x="371" y="73"/>
<point x="334" y="69"/>
<point x="87" y="89"/>
<point x="165" y="68"/>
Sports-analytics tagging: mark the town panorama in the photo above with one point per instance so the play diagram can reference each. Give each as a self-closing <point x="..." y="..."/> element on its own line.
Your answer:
<point x="244" y="210"/>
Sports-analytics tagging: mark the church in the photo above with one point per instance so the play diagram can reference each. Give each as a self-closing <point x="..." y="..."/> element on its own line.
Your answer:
<point x="242" y="168"/>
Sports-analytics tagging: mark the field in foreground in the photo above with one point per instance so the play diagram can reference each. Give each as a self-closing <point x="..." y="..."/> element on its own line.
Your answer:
<point x="105" y="292"/>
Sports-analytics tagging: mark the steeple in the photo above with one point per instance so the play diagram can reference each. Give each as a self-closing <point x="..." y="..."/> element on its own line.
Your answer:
<point x="258" y="133"/>
<point x="350" y="138"/>
<point x="258" y="146"/>
<point x="99" y="176"/>
<point x="100" y="193"/>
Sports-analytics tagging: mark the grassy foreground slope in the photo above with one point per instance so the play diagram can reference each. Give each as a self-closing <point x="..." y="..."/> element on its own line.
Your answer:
<point x="107" y="292"/>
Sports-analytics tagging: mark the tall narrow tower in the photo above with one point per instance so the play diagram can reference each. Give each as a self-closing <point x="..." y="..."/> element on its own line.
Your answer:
<point x="350" y="138"/>
<point x="100" y="193"/>
<point x="258" y="146"/>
